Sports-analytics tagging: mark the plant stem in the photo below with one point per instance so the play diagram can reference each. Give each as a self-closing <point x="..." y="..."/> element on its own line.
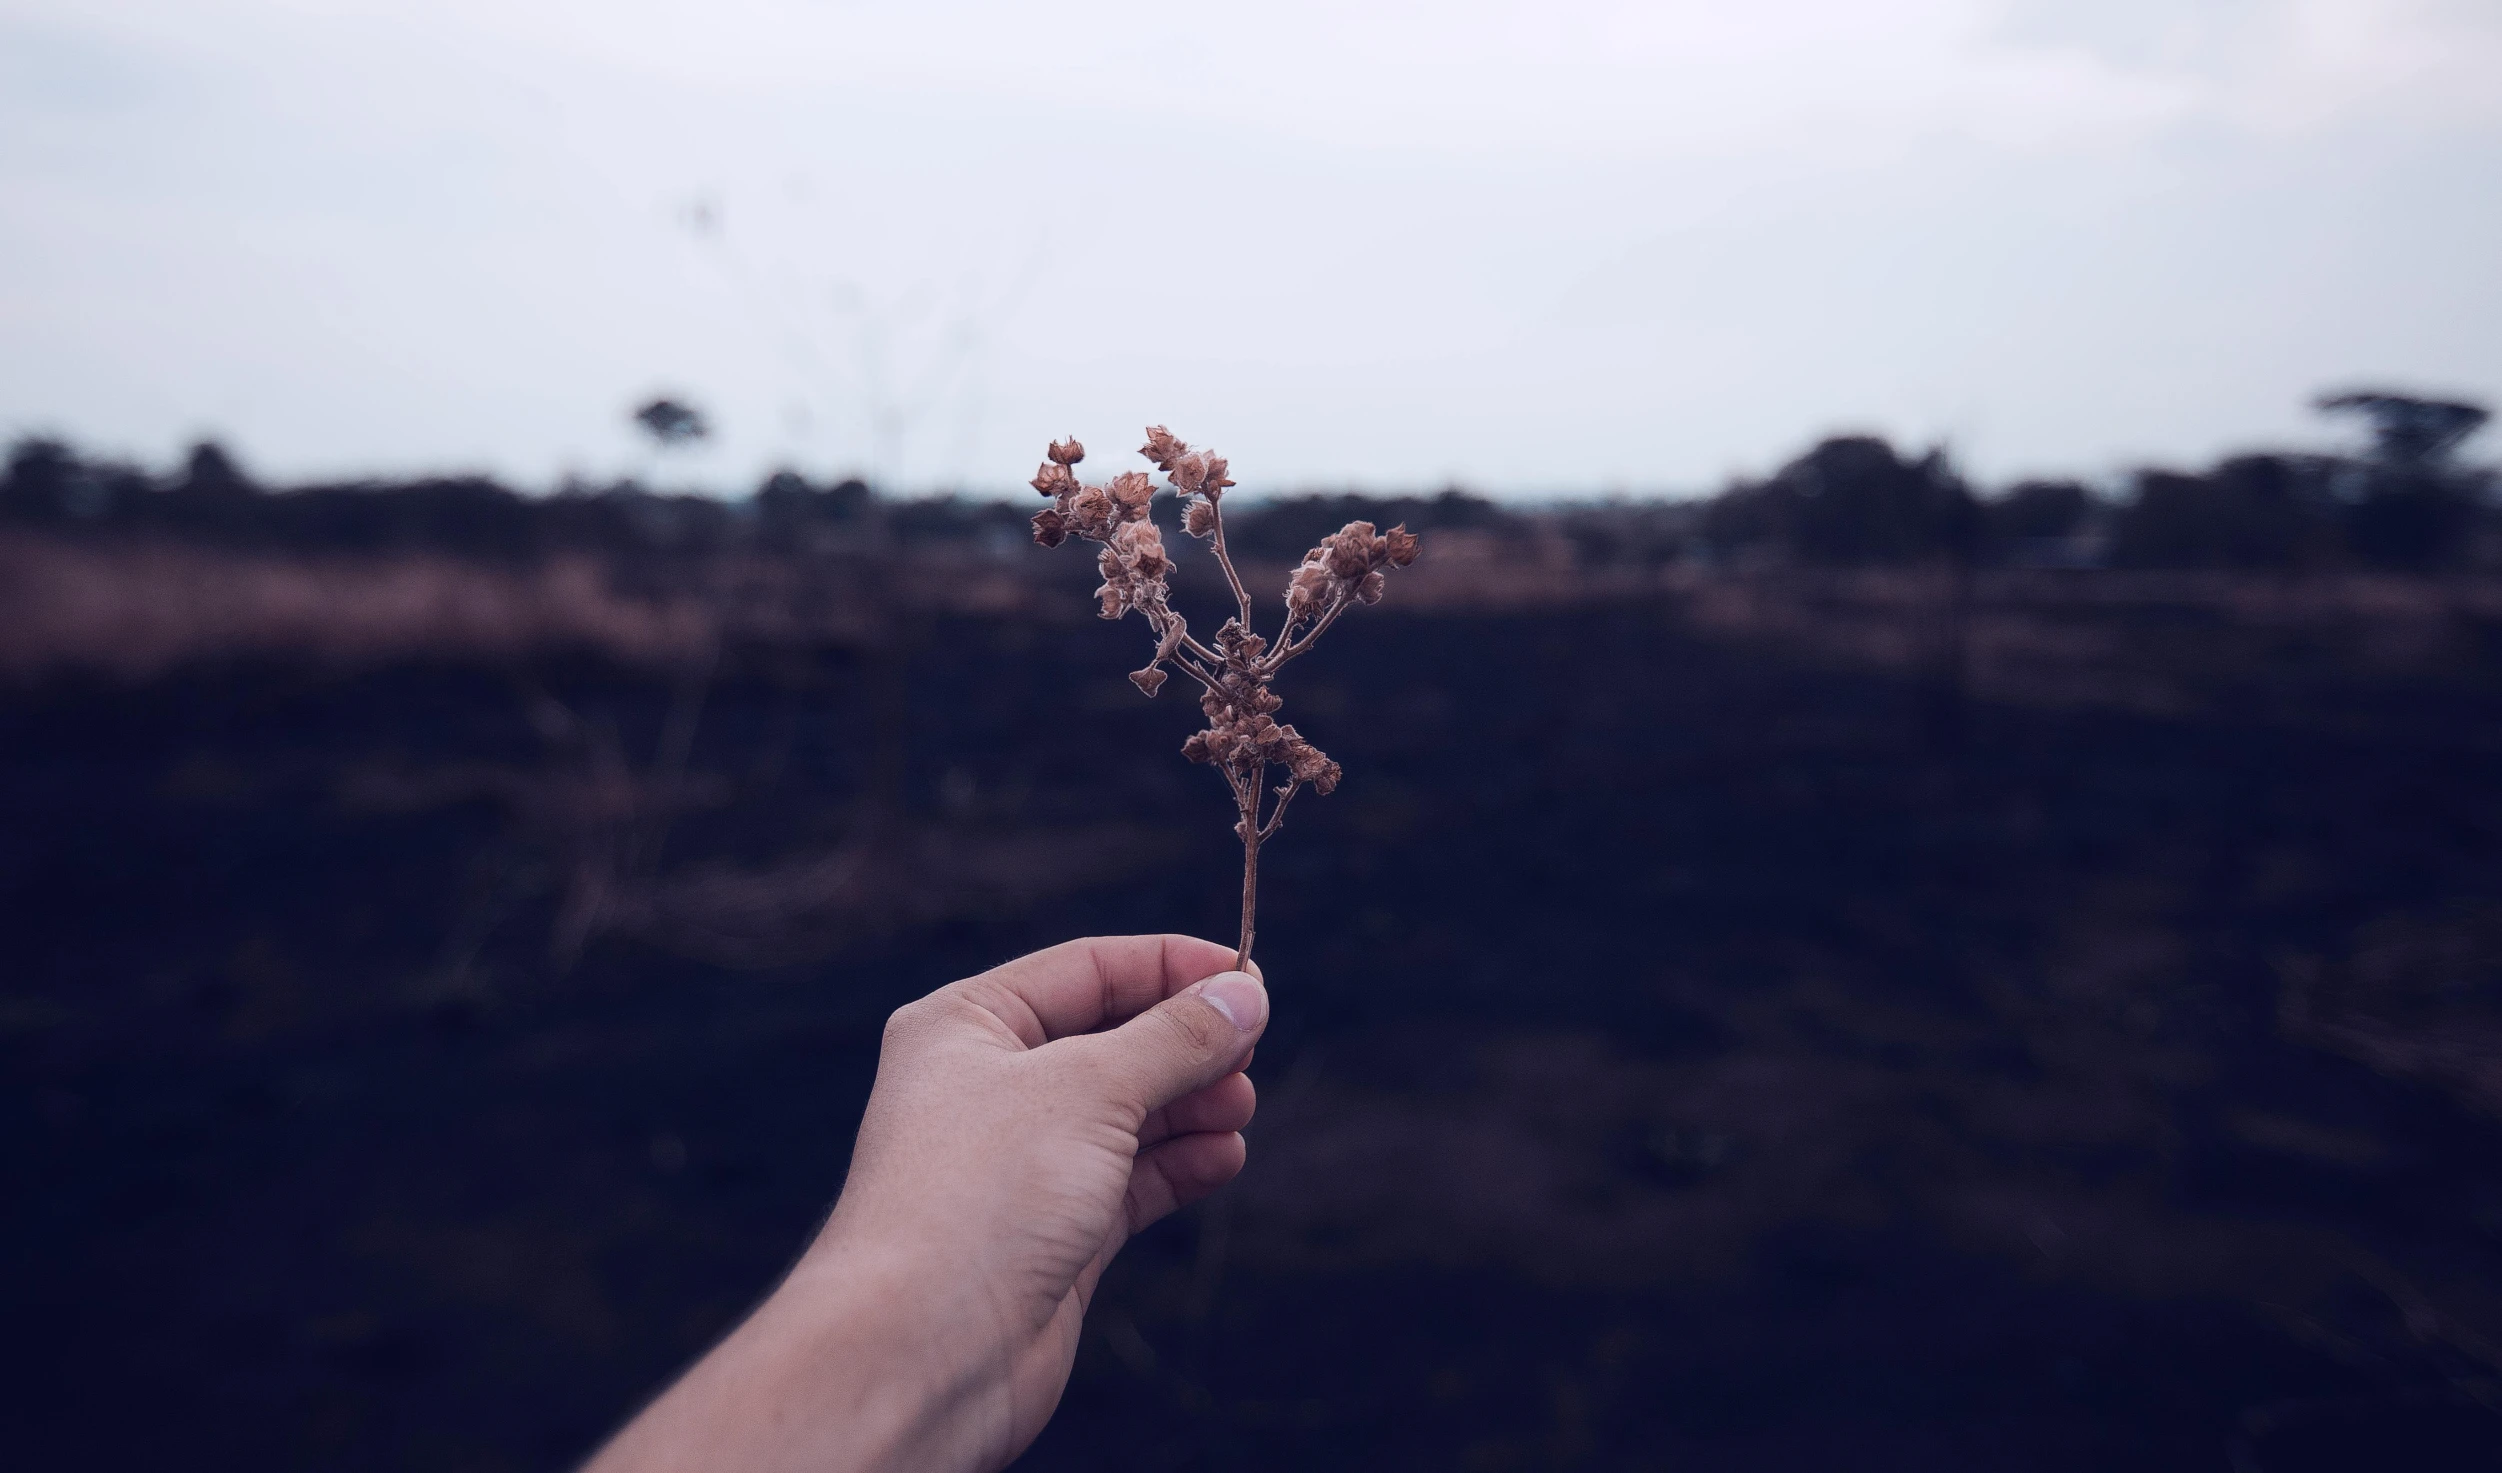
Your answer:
<point x="1250" y="898"/>
<point x="1288" y="648"/>
<point x="1216" y="542"/>
<point x="1246" y="788"/>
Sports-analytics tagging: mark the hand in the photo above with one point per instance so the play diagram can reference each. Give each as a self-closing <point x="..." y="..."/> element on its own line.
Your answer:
<point x="1008" y="1151"/>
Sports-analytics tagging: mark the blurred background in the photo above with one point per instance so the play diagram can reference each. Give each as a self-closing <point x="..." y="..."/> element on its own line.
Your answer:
<point x="1919" y="881"/>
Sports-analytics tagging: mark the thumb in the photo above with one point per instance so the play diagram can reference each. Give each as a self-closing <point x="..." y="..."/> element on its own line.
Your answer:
<point x="1184" y="1043"/>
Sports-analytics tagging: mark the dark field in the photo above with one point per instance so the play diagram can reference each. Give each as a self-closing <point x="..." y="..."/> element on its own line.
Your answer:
<point x="1744" y="1024"/>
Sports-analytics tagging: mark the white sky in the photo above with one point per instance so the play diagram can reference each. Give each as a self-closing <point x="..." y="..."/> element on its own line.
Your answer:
<point x="1542" y="247"/>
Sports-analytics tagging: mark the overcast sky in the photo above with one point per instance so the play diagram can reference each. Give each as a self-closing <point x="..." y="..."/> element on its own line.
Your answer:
<point x="1531" y="248"/>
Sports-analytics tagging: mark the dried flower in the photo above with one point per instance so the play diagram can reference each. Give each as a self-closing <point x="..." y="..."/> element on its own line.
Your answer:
<point x="1131" y="490"/>
<point x="1161" y="447"/>
<point x="1348" y="564"/>
<point x="1243" y="739"/>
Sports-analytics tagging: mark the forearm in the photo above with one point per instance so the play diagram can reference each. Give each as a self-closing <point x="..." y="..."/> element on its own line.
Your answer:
<point x="836" y="1372"/>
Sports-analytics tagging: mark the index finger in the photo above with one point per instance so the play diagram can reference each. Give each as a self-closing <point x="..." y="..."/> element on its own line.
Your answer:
<point x="1079" y="986"/>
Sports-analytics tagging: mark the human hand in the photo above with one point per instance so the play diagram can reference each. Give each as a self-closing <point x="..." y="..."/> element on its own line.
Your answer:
<point x="1008" y="1151"/>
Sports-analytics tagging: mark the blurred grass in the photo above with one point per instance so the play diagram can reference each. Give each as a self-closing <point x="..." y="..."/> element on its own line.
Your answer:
<point x="1737" y="1020"/>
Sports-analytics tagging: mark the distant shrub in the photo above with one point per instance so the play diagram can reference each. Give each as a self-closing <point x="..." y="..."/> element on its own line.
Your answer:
<point x="2254" y="511"/>
<point x="1850" y="502"/>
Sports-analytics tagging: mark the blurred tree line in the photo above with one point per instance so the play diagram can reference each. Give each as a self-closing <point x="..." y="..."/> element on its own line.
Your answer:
<point x="2408" y="504"/>
<point x="210" y="500"/>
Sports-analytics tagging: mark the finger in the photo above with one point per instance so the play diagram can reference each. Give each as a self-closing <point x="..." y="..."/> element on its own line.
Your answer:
<point x="1079" y="986"/>
<point x="1180" y="1172"/>
<point x="1178" y="1047"/>
<point x="1225" y="1105"/>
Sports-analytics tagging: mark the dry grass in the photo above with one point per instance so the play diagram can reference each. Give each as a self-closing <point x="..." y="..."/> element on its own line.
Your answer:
<point x="135" y="610"/>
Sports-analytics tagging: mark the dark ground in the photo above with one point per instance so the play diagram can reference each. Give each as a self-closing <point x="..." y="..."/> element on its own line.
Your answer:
<point x="1689" y="1052"/>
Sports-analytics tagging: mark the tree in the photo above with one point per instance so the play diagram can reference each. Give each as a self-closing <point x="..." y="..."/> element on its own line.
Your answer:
<point x="2417" y="509"/>
<point x="671" y="424"/>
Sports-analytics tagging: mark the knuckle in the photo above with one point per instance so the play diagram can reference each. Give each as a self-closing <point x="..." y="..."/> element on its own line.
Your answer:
<point x="906" y="1023"/>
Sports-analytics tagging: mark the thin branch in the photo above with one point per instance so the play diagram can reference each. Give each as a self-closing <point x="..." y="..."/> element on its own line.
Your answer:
<point x="1187" y="645"/>
<point x="1291" y="648"/>
<point x="1225" y="560"/>
<point x="1191" y="643"/>
<point x="1204" y="677"/>
<point x="1285" y="795"/>
<point x="1246" y="802"/>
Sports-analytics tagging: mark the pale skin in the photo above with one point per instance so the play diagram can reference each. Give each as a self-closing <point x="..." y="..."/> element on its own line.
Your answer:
<point x="1024" y="1124"/>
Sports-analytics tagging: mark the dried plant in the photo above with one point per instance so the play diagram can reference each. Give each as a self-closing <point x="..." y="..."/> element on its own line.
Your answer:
<point x="1243" y="739"/>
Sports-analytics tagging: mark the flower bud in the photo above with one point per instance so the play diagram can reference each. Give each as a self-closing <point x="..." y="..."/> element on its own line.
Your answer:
<point x="1148" y="680"/>
<point x="1090" y="513"/>
<point x="1050" y="528"/>
<point x="1138" y="547"/>
<point x="1350" y="550"/>
<point x="1132" y="491"/>
<point x="1309" y="588"/>
<point x="1310" y="764"/>
<point x="1162" y="448"/>
<point x="1200" y="519"/>
<point x="1067" y="452"/>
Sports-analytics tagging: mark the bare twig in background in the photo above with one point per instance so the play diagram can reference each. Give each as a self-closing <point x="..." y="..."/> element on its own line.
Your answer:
<point x="1243" y="739"/>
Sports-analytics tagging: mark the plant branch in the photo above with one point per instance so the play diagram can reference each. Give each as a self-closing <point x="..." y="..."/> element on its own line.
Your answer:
<point x="1191" y="643"/>
<point x="1225" y="560"/>
<point x="1277" y="815"/>
<point x="1195" y="673"/>
<point x="1158" y="617"/>
<point x="1293" y="647"/>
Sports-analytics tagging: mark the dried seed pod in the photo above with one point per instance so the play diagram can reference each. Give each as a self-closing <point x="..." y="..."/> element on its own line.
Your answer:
<point x="1162" y="448"/>
<point x="1131" y="491"/>
<point x="1091" y="514"/>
